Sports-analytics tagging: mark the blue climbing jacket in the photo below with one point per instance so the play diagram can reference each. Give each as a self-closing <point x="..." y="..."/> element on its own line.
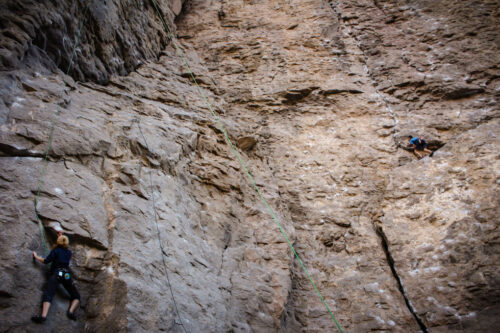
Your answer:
<point x="415" y="141"/>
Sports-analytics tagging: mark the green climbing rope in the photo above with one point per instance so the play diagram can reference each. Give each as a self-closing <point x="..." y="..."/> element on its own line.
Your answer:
<point x="51" y="136"/>
<point x="243" y="165"/>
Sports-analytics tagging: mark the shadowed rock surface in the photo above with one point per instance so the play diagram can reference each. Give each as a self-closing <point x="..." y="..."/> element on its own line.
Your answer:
<point x="319" y="97"/>
<point x="114" y="36"/>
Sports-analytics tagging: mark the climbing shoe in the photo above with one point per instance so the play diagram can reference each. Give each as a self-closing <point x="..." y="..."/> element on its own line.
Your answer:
<point x="71" y="315"/>
<point x="38" y="319"/>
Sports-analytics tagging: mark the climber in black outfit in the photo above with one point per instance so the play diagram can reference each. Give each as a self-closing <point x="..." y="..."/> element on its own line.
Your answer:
<point x="59" y="273"/>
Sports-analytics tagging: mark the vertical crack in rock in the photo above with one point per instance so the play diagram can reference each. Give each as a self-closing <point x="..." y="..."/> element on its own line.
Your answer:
<point x="107" y="191"/>
<point x="288" y="318"/>
<point x="364" y="59"/>
<point x="379" y="229"/>
<point x="390" y="260"/>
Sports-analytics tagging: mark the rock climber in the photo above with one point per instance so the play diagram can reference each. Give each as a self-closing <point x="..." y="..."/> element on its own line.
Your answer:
<point x="59" y="273"/>
<point x="419" y="145"/>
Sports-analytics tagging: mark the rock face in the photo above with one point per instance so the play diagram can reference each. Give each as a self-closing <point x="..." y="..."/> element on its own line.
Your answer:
<point x="319" y="97"/>
<point x="114" y="37"/>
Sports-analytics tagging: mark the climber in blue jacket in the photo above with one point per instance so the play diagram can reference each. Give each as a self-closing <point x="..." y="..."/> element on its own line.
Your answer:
<point x="59" y="273"/>
<point x="419" y="145"/>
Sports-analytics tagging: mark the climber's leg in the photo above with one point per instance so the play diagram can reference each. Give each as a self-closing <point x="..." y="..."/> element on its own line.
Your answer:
<point x="69" y="285"/>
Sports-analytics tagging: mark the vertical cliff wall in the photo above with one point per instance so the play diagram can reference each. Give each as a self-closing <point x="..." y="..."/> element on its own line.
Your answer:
<point x="319" y="97"/>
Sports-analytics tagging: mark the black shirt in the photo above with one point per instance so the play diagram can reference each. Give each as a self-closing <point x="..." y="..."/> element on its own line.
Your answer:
<point x="59" y="257"/>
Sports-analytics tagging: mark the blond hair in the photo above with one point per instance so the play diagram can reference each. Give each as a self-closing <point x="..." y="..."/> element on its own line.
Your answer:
<point x="62" y="241"/>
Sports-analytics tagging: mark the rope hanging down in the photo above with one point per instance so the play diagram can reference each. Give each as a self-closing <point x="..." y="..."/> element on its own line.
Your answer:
<point x="159" y="235"/>
<point x="243" y="165"/>
<point x="51" y="136"/>
<point x="45" y="163"/>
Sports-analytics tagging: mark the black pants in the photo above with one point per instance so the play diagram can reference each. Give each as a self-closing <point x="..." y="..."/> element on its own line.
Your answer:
<point x="52" y="284"/>
<point x="421" y="146"/>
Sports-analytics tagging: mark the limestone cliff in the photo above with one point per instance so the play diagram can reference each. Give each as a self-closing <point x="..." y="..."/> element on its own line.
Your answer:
<point x="320" y="97"/>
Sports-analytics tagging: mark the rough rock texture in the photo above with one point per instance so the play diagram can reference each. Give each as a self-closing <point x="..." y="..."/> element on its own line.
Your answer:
<point x="114" y="36"/>
<point x="436" y="64"/>
<point x="319" y="96"/>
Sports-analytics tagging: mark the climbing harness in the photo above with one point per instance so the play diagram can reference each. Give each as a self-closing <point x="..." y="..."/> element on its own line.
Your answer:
<point x="63" y="274"/>
<point x="243" y="165"/>
<point x="159" y="235"/>
<point x="51" y="136"/>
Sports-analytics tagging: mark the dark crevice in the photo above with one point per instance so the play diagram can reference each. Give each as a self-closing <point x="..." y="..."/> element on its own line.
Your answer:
<point x="75" y="238"/>
<point x="290" y="319"/>
<point x="5" y="294"/>
<point x="390" y="260"/>
<point x="11" y="151"/>
<point x="8" y="151"/>
<point x="186" y="6"/>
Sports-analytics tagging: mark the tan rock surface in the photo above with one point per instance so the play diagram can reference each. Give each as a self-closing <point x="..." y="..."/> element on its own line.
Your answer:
<point x="318" y="96"/>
